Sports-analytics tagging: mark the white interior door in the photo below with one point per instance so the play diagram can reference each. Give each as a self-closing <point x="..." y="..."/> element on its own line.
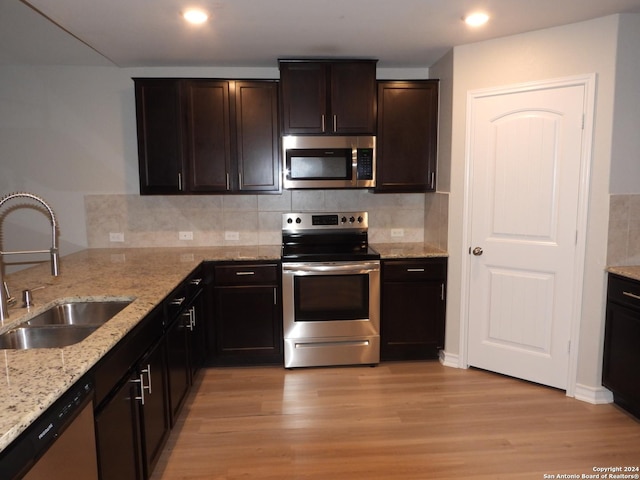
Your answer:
<point x="525" y="152"/>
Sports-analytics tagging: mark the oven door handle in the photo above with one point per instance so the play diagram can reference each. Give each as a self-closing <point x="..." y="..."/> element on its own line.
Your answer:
<point x="331" y="268"/>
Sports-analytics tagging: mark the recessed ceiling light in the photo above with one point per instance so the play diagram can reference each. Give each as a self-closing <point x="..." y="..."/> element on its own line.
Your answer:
<point x="476" y="19"/>
<point x="195" y="16"/>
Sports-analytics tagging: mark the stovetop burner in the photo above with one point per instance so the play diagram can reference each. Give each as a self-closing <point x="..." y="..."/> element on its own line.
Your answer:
<point x="316" y="237"/>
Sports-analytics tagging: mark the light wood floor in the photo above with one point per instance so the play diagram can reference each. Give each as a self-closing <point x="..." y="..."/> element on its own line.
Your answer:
<point x="415" y="420"/>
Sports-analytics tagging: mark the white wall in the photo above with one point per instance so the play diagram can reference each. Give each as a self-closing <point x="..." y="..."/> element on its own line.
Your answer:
<point x="582" y="48"/>
<point x="625" y="155"/>
<point x="67" y="132"/>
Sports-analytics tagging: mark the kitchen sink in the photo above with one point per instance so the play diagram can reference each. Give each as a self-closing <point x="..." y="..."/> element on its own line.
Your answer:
<point x="78" y="313"/>
<point x="45" y="336"/>
<point x="62" y="325"/>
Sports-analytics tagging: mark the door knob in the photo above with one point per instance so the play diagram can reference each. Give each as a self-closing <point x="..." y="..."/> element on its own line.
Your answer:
<point x="477" y="251"/>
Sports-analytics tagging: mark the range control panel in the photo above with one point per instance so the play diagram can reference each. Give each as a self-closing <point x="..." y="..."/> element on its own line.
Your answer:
<point x="325" y="221"/>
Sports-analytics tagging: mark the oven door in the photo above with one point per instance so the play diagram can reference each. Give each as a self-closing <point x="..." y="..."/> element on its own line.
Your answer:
<point x="331" y="299"/>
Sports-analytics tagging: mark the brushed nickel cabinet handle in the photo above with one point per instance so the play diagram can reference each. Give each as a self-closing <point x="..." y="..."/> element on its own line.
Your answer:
<point x="632" y="295"/>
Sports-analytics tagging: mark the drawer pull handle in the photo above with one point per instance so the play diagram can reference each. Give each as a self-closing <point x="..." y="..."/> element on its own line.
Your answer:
<point x="632" y="295"/>
<point x="195" y="281"/>
<point x="415" y="269"/>
<point x="177" y="301"/>
<point x="245" y="273"/>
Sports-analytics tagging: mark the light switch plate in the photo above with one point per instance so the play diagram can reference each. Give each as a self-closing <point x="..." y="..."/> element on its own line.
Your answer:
<point x="397" y="232"/>
<point x="185" y="235"/>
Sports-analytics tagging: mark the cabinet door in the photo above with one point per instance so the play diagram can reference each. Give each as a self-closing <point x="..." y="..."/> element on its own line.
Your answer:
<point x="413" y="309"/>
<point x="407" y="136"/>
<point x="118" y="436"/>
<point x="353" y="98"/>
<point x="304" y="97"/>
<point x="159" y="135"/>
<point x="257" y="136"/>
<point x="207" y="134"/>
<point x="622" y="356"/>
<point x="178" y="363"/>
<point x="154" y="409"/>
<point x="248" y="324"/>
<point x="198" y="335"/>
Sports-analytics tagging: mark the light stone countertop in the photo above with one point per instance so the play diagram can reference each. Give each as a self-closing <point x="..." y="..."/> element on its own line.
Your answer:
<point x="632" y="272"/>
<point x="407" y="250"/>
<point x="34" y="379"/>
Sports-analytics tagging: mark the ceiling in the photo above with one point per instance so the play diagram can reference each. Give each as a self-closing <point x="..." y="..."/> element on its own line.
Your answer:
<point x="255" y="33"/>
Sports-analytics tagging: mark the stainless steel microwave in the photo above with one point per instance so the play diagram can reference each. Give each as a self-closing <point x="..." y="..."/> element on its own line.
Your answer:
<point x="329" y="161"/>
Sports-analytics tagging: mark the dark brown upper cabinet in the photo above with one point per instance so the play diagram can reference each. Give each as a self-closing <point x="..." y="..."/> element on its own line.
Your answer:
<point x="328" y="97"/>
<point x="407" y="136"/>
<point x="207" y="136"/>
<point x="159" y="126"/>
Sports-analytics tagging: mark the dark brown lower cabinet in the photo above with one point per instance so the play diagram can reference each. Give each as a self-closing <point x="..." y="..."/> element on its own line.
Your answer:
<point x="248" y="318"/>
<point x="154" y="411"/>
<point x="621" y="343"/>
<point x="142" y="383"/>
<point x="178" y="363"/>
<point x="133" y="425"/>
<point x="413" y="300"/>
<point x="118" y="435"/>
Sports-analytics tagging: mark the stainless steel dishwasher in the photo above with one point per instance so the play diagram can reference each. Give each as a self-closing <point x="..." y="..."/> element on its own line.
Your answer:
<point x="61" y="444"/>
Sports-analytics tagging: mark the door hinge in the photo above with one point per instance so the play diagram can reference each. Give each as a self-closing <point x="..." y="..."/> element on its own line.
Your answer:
<point x="583" y="121"/>
<point x="569" y="346"/>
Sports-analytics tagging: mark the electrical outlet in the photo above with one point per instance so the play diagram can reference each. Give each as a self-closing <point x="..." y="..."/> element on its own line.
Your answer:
<point x="232" y="235"/>
<point x="397" y="232"/>
<point x="185" y="235"/>
<point x="116" y="237"/>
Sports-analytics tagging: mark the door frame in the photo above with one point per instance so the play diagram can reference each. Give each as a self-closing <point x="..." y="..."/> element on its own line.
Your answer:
<point x="588" y="81"/>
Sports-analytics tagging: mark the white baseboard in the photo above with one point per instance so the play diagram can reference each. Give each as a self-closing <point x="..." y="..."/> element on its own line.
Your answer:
<point x="449" y="359"/>
<point x="595" y="395"/>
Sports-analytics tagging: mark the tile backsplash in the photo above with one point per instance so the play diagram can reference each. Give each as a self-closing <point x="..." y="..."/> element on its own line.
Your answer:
<point x="624" y="230"/>
<point x="146" y="221"/>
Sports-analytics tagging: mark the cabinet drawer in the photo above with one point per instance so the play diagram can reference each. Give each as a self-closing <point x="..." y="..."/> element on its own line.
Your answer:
<point x="246" y="274"/>
<point x="414" y="269"/>
<point x="624" y="291"/>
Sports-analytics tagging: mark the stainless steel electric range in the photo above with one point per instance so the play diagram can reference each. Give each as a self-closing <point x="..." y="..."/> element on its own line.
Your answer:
<point x="331" y="290"/>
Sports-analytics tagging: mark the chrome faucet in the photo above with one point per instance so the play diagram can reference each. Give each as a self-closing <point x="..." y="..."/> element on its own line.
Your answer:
<point x="53" y="251"/>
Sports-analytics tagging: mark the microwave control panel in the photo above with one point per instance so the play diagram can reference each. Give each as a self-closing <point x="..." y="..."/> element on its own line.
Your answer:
<point x="365" y="163"/>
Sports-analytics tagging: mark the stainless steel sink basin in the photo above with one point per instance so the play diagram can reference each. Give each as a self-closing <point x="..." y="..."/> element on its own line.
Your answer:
<point x="78" y="313"/>
<point x="44" y="337"/>
<point x="61" y="325"/>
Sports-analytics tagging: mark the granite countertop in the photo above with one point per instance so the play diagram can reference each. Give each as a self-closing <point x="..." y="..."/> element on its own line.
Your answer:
<point x="407" y="250"/>
<point x="632" y="272"/>
<point x="34" y="379"/>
